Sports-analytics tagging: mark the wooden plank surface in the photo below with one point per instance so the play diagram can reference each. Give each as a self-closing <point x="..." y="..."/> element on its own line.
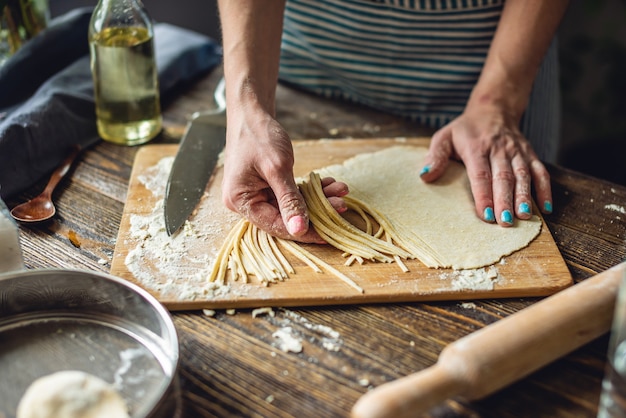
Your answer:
<point x="537" y="270"/>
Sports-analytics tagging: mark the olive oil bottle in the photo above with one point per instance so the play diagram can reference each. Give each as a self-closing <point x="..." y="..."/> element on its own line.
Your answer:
<point x="126" y="87"/>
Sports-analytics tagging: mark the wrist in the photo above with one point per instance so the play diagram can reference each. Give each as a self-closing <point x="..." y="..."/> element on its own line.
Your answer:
<point x="509" y="97"/>
<point x="248" y="112"/>
<point x="246" y="95"/>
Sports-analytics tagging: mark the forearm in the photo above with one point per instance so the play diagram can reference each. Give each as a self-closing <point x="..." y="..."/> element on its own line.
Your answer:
<point x="251" y="33"/>
<point x="523" y="36"/>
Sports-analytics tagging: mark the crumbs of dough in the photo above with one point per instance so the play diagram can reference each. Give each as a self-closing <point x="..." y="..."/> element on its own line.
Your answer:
<point x="263" y="311"/>
<point x="287" y="340"/>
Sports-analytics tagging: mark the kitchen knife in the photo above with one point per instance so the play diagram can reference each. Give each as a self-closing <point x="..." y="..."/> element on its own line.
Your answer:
<point x="204" y="139"/>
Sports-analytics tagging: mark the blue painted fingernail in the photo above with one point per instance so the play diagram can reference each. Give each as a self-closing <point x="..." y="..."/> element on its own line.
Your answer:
<point x="524" y="208"/>
<point x="547" y="206"/>
<point x="506" y="217"/>
<point x="488" y="215"/>
<point x="425" y="170"/>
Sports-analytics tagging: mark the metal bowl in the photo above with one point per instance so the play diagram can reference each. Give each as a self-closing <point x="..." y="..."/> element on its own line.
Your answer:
<point x="54" y="320"/>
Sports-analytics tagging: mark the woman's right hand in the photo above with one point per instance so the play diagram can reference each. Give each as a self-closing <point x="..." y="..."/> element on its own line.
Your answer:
<point x="259" y="183"/>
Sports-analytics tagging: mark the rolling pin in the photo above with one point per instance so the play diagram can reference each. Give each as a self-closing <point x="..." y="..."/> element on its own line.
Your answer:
<point x="501" y="353"/>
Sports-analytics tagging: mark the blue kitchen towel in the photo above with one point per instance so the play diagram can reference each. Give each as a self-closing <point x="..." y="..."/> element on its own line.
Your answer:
<point x="46" y="93"/>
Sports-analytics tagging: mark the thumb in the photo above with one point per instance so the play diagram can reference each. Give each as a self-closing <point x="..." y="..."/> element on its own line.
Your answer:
<point x="438" y="156"/>
<point x="292" y="207"/>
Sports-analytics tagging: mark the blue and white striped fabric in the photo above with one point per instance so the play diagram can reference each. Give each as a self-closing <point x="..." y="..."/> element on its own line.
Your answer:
<point x="414" y="58"/>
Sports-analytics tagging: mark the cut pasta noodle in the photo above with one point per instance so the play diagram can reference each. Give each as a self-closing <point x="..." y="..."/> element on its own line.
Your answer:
<point x="296" y="249"/>
<point x="340" y="233"/>
<point x="249" y="251"/>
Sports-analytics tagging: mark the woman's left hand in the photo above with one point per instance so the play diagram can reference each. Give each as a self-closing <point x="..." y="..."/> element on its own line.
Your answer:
<point x="501" y="164"/>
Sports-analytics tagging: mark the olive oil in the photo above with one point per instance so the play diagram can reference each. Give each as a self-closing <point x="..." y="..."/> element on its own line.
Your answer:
<point x="126" y="89"/>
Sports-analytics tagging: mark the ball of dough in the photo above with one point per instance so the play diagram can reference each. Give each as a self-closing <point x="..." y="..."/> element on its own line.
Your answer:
<point x="71" y="394"/>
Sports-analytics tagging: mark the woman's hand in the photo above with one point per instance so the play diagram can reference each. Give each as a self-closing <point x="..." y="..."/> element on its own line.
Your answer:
<point x="500" y="162"/>
<point x="259" y="183"/>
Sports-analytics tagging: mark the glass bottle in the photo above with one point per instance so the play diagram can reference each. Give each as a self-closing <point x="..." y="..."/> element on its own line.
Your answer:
<point x="20" y="20"/>
<point x="126" y="87"/>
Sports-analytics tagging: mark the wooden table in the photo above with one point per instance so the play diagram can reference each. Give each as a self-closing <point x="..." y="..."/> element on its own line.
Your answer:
<point x="229" y="363"/>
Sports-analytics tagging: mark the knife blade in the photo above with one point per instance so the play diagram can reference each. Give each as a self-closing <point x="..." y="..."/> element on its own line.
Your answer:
<point x="195" y="160"/>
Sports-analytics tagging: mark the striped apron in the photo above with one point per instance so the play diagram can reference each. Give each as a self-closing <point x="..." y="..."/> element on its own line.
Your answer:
<point x="418" y="59"/>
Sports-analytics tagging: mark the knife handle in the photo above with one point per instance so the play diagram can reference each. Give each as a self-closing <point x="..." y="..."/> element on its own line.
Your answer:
<point x="216" y="115"/>
<point x="220" y="95"/>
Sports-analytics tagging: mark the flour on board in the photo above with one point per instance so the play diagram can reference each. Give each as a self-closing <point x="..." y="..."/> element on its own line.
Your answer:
<point x="473" y="279"/>
<point x="166" y="264"/>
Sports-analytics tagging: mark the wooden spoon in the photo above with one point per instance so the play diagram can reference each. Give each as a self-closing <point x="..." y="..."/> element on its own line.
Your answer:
<point x="41" y="207"/>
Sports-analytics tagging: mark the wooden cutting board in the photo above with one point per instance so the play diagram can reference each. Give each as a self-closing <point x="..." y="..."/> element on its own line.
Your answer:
<point x="175" y="270"/>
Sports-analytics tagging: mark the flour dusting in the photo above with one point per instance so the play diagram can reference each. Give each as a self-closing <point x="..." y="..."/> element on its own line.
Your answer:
<point x="155" y="177"/>
<point x="288" y="339"/>
<point x="165" y="264"/>
<point x="473" y="279"/>
<point x="330" y="339"/>
<point x="616" y="208"/>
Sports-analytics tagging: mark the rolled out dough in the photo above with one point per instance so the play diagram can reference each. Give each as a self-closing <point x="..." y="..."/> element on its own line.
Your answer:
<point x="71" y="394"/>
<point x="438" y="217"/>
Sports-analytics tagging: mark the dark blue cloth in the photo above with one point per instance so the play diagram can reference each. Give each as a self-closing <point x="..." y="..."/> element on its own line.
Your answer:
<point x="46" y="93"/>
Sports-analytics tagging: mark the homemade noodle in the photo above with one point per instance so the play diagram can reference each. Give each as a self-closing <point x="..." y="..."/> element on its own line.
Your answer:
<point x="248" y="251"/>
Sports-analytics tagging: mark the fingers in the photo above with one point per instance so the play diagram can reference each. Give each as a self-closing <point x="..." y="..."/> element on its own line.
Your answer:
<point x="511" y="187"/>
<point x="280" y="209"/>
<point x="480" y="177"/>
<point x="282" y="213"/>
<point x="291" y="206"/>
<point x="438" y="156"/>
<point x="502" y="169"/>
<point x="543" y="190"/>
<point x="504" y="184"/>
<point x="333" y="187"/>
<point x="334" y="191"/>
<point x="522" y="199"/>
<point x="478" y="167"/>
